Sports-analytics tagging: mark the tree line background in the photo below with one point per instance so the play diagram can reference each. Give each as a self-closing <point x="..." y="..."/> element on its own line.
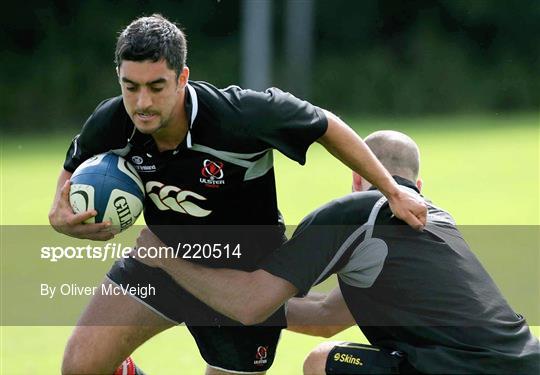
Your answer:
<point x="386" y="57"/>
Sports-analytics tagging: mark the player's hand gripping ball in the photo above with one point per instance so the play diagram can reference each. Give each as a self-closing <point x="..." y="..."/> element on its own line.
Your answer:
<point x="110" y="185"/>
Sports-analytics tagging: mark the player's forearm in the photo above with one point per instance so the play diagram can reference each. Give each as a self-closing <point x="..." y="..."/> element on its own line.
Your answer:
<point x="316" y="330"/>
<point x="239" y="295"/>
<point x="344" y="144"/>
<point x="318" y="316"/>
<point x="304" y="311"/>
<point x="247" y="297"/>
<point x="319" y="328"/>
<point x="304" y="315"/>
<point x="224" y="290"/>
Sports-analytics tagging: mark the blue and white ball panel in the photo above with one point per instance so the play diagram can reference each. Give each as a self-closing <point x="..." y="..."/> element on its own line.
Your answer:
<point x="81" y="197"/>
<point x="131" y="172"/>
<point x="122" y="209"/>
<point x="111" y="186"/>
<point x="94" y="163"/>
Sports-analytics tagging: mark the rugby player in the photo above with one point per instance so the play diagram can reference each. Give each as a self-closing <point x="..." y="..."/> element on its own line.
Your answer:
<point x="421" y="298"/>
<point x="205" y="157"/>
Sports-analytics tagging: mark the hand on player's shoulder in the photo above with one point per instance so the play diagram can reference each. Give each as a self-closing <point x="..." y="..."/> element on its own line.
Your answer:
<point x="410" y="208"/>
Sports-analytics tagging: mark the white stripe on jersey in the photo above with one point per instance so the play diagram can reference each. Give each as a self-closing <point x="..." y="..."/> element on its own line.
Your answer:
<point x="194" y="110"/>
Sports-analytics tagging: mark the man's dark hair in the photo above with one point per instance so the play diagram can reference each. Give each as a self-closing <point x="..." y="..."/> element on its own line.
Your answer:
<point x="152" y="38"/>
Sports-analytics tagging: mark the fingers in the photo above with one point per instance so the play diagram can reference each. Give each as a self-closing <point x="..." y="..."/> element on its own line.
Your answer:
<point x="85" y="229"/>
<point x="64" y="192"/>
<point x="422" y="215"/>
<point x="101" y="236"/>
<point x="76" y="218"/>
<point x="65" y="221"/>
<point x="81" y="217"/>
<point x="414" y="222"/>
<point x="97" y="231"/>
<point x="412" y="210"/>
<point x="416" y="216"/>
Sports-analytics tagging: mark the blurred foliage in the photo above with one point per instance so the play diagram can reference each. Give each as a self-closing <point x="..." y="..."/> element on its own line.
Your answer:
<point x="387" y="56"/>
<point x="424" y="56"/>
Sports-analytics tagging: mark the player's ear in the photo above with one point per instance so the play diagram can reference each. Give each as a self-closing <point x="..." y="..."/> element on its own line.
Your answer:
<point x="183" y="78"/>
<point x="117" y="72"/>
<point x="357" y="182"/>
<point x="419" y="184"/>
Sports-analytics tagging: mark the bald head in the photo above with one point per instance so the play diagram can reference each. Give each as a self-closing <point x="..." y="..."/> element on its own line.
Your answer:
<point x="397" y="152"/>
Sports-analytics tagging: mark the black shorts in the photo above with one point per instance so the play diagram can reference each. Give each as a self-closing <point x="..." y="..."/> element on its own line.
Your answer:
<point x="351" y="358"/>
<point x="223" y="343"/>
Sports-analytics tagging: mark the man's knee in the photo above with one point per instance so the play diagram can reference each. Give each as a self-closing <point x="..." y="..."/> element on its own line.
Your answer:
<point x="97" y="348"/>
<point x="89" y="352"/>
<point x="78" y="358"/>
<point x="315" y="362"/>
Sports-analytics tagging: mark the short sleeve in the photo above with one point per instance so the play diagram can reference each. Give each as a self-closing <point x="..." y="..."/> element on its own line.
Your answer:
<point x="304" y="259"/>
<point x="106" y="129"/>
<point x="281" y="121"/>
<point x="324" y="243"/>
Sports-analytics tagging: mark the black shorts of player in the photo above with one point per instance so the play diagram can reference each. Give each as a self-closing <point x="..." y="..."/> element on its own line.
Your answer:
<point x="223" y="343"/>
<point x="351" y="358"/>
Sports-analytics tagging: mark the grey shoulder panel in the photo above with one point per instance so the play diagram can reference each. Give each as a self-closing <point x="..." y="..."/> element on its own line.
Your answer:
<point x="264" y="160"/>
<point x="366" y="261"/>
<point x="365" y="264"/>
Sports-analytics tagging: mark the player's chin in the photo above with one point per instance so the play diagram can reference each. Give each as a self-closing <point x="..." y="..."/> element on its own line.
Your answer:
<point x="147" y="127"/>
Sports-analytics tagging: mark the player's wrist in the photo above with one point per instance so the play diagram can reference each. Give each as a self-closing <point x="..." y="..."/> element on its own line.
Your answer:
<point x="392" y="193"/>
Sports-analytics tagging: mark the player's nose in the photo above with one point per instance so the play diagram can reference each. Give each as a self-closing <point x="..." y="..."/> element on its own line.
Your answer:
<point x="144" y="99"/>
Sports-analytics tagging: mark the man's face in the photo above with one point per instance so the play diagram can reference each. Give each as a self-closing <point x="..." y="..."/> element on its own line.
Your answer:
<point x="151" y="93"/>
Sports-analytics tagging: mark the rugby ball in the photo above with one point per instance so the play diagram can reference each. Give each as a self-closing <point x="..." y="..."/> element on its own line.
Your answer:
<point x="110" y="185"/>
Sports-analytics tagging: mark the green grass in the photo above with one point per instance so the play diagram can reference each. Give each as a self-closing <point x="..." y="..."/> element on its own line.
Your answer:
<point x="485" y="170"/>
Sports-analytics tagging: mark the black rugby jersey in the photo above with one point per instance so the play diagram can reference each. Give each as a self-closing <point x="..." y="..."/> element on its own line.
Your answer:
<point x="423" y="293"/>
<point x="222" y="173"/>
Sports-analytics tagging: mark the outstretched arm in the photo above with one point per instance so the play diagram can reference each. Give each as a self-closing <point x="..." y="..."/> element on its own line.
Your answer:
<point x="319" y="315"/>
<point x="342" y="142"/>
<point x="247" y="297"/>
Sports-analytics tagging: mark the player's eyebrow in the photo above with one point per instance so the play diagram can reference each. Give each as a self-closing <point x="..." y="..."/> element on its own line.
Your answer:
<point x="154" y="82"/>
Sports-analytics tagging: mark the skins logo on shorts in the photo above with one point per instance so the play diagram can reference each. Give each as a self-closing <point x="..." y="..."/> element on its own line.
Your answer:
<point x="347" y="358"/>
<point x="261" y="355"/>
<point x="167" y="197"/>
<point x="212" y="174"/>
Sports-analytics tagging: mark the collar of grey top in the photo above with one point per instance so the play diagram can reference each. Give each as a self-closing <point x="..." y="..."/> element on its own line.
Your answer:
<point x="402" y="181"/>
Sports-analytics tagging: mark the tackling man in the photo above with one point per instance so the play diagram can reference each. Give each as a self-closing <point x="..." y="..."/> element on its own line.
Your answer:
<point x="421" y="298"/>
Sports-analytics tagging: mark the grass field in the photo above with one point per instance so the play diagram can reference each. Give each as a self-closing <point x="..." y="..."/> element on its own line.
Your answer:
<point x="470" y="164"/>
